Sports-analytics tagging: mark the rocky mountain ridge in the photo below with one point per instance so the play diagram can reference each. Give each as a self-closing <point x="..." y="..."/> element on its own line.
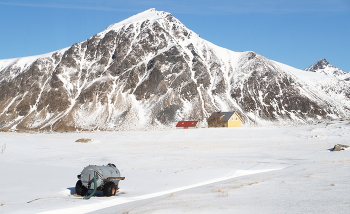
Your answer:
<point x="149" y="71"/>
<point x="322" y="66"/>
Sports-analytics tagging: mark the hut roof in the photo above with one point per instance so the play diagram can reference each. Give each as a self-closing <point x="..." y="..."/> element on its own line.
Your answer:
<point x="186" y="123"/>
<point x="222" y="116"/>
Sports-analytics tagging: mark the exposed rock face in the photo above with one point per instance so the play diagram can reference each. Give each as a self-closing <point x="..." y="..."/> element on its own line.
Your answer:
<point x="272" y="92"/>
<point x="149" y="71"/>
<point x="339" y="147"/>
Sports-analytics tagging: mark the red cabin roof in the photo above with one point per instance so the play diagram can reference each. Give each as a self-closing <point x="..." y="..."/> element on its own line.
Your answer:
<point x="186" y="123"/>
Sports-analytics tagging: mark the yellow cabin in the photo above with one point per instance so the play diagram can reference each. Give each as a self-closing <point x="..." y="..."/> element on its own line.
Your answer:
<point x="224" y="119"/>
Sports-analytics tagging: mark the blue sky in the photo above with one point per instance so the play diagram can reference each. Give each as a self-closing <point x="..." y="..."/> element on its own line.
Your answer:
<point x="297" y="33"/>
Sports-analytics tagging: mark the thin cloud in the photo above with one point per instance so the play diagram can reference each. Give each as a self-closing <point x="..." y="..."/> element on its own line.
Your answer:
<point x="66" y="6"/>
<point x="273" y="6"/>
<point x="194" y="6"/>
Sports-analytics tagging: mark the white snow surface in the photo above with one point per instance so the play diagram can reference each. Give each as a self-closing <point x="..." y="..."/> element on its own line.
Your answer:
<point x="150" y="14"/>
<point x="222" y="170"/>
<point x="24" y="62"/>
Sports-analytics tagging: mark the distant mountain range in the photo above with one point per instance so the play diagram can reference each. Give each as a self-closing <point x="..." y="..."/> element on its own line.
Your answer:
<point x="149" y="71"/>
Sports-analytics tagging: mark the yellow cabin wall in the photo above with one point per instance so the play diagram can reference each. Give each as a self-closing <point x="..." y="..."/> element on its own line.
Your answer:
<point x="233" y="122"/>
<point x="230" y="123"/>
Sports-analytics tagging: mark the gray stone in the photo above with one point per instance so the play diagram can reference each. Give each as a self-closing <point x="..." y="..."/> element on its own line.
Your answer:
<point x="339" y="147"/>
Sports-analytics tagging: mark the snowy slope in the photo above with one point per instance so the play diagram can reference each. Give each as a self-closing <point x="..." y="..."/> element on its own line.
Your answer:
<point x="148" y="72"/>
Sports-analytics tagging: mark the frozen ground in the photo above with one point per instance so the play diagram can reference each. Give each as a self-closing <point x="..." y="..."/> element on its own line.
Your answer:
<point x="224" y="170"/>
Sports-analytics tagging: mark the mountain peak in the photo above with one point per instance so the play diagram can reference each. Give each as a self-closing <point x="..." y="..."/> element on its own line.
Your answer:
<point x="320" y="64"/>
<point x="324" y="61"/>
<point x="323" y="66"/>
<point x="150" y="14"/>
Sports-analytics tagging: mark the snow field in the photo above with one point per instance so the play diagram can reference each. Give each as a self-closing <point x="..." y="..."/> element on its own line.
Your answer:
<point x="223" y="170"/>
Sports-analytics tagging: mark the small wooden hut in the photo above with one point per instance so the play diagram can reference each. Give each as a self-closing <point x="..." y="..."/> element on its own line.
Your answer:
<point x="224" y="119"/>
<point x="186" y="124"/>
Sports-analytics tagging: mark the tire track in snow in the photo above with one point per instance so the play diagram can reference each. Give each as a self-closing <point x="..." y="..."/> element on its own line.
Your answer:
<point x="122" y="200"/>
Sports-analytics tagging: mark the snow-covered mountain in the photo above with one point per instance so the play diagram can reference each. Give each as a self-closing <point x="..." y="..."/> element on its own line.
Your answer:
<point x="322" y="66"/>
<point x="149" y="71"/>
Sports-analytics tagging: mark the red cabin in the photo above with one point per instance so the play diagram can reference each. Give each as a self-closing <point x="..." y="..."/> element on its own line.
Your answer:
<point x="186" y="124"/>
